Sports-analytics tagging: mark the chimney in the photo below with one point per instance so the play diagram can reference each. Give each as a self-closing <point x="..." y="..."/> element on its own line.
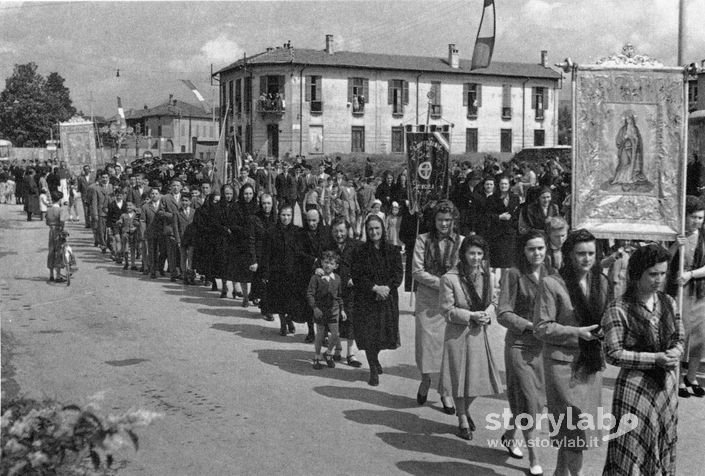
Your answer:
<point x="453" y="57"/>
<point x="329" y="45"/>
<point x="269" y="48"/>
<point x="171" y="96"/>
<point x="544" y="58"/>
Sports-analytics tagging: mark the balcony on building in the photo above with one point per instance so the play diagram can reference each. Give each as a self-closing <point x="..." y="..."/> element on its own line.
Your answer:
<point x="271" y="106"/>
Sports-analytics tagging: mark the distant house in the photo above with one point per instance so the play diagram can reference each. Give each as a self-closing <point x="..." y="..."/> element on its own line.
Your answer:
<point x="302" y="101"/>
<point x="173" y="126"/>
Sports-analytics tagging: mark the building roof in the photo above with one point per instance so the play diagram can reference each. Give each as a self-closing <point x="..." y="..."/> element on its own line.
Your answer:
<point x="173" y="108"/>
<point x="349" y="59"/>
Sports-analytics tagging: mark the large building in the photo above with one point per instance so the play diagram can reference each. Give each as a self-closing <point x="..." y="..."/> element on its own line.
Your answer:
<point x="301" y="101"/>
<point x="173" y="126"/>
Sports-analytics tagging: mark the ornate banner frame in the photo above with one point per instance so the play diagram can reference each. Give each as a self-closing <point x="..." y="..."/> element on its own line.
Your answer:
<point x="629" y="150"/>
<point x="78" y="144"/>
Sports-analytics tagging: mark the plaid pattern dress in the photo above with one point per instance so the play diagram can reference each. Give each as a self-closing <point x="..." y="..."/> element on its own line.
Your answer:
<point x="649" y="449"/>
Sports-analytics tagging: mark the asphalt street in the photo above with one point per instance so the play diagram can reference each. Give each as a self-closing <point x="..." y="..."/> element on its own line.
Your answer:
<point x="237" y="398"/>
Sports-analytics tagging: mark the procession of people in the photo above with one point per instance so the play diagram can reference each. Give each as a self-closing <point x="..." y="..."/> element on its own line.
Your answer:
<point x="328" y="252"/>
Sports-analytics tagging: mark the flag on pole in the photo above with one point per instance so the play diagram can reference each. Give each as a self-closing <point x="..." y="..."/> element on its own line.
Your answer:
<point x="484" y="42"/>
<point x="121" y="113"/>
<point x="238" y="157"/>
<point x="220" y="155"/>
<point x="196" y="92"/>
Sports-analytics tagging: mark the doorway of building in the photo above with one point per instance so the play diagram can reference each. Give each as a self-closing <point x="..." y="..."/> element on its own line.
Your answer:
<point x="273" y="140"/>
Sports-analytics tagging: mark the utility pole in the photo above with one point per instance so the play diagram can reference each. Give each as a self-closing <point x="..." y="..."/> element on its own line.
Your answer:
<point x="681" y="31"/>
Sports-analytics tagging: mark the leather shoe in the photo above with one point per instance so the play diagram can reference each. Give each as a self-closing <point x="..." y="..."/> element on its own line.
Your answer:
<point x="464" y="433"/>
<point x="683" y="392"/>
<point x="513" y="451"/>
<point x="353" y="362"/>
<point x="698" y="391"/>
<point x="450" y="410"/>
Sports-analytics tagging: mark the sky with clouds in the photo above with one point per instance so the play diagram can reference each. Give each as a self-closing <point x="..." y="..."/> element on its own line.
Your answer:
<point x="155" y="44"/>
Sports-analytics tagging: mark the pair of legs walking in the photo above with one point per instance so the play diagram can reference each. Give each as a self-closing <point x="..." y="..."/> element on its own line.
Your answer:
<point x="332" y="343"/>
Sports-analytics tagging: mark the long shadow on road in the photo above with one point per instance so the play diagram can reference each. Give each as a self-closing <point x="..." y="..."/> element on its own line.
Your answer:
<point x="299" y="362"/>
<point x="368" y="395"/>
<point x="249" y="331"/>
<point x="428" y="468"/>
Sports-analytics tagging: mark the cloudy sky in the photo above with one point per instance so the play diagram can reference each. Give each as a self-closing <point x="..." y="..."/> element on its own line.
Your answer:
<point x="154" y="44"/>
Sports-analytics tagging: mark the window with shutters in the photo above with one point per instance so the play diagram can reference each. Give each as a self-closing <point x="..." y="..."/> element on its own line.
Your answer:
<point x="248" y="94"/>
<point x="397" y="140"/>
<point x="539" y="101"/>
<point x="358" y="94"/>
<point x="271" y="94"/>
<point x="692" y="96"/>
<point x="539" y="138"/>
<point x="358" y="139"/>
<point x="505" y="140"/>
<point x="472" y="98"/>
<point x="313" y="92"/>
<point x="435" y="99"/>
<point x="238" y="96"/>
<point x="506" y="101"/>
<point x="398" y="96"/>
<point x="471" y="139"/>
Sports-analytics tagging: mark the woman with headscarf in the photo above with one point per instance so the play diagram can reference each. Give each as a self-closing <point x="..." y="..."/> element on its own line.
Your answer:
<point x="265" y="222"/>
<point x="569" y="308"/>
<point x="692" y="245"/>
<point x="207" y="238"/>
<point x="522" y="350"/>
<point x="468" y="369"/>
<point x="644" y="337"/>
<point x="241" y="260"/>
<point x="55" y="219"/>
<point x="281" y="270"/>
<point x="376" y="274"/>
<point x="227" y="214"/>
<point x="435" y="253"/>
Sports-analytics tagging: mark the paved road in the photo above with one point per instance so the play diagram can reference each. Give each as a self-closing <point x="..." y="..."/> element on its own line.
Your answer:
<point x="237" y="397"/>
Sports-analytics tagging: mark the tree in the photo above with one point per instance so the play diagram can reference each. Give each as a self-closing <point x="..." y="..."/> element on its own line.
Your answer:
<point x="30" y="105"/>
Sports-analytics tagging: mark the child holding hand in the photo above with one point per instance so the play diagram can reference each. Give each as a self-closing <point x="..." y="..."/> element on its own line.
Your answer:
<point x="324" y="295"/>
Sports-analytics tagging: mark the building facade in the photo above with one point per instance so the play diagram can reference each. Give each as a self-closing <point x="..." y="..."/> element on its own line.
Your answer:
<point x="174" y="126"/>
<point x="288" y="101"/>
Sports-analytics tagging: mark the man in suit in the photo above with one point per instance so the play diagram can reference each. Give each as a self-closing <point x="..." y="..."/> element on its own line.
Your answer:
<point x="139" y="190"/>
<point x="84" y="181"/>
<point x="150" y="228"/>
<point x="243" y="178"/>
<point x="100" y="196"/>
<point x="184" y="217"/>
<point x="170" y="204"/>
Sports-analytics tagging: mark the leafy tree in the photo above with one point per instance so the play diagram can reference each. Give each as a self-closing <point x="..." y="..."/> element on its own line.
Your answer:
<point x="31" y="104"/>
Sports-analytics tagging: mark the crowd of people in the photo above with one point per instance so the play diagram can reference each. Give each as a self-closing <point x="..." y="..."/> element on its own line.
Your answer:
<point x="331" y="252"/>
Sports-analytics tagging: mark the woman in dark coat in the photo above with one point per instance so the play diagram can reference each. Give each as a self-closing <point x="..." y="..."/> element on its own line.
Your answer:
<point x="503" y="214"/>
<point x="536" y="212"/>
<point x="376" y="273"/>
<point x="205" y="258"/>
<point x="281" y="269"/>
<point x="31" y="194"/>
<point x="481" y="203"/>
<point x="226" y="218"/>
<point x="241" y="261"/>
<point x="386" y="192"/>
<point x="265" y="221"/>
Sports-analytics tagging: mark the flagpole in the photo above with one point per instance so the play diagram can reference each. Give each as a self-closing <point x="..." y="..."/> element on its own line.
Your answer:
<point x="681" y="31"/>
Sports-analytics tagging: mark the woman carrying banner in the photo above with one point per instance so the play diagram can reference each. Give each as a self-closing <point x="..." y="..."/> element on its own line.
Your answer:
<point x="569" y="308"/>
<point x="692" y="245"/>
<point x="644" y="336"/>
<point x="435" y="253"/>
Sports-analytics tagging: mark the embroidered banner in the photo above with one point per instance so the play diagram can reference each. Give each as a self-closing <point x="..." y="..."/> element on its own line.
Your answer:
<point x="629" y="157"/>
<point x="78" y="145"/>
<point x="427" y="159"/>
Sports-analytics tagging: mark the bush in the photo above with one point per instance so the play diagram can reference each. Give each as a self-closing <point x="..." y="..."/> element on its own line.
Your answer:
<point x="45" y="437"/>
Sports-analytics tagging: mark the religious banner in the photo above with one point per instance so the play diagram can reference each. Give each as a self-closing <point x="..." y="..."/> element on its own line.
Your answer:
<point x="629" y="157"/>
<point x="78" y="144"/>
<point x="427" y="159"/>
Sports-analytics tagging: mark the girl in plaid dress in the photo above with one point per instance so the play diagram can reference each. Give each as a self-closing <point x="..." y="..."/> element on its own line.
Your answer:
<point x="644" y="336"/>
